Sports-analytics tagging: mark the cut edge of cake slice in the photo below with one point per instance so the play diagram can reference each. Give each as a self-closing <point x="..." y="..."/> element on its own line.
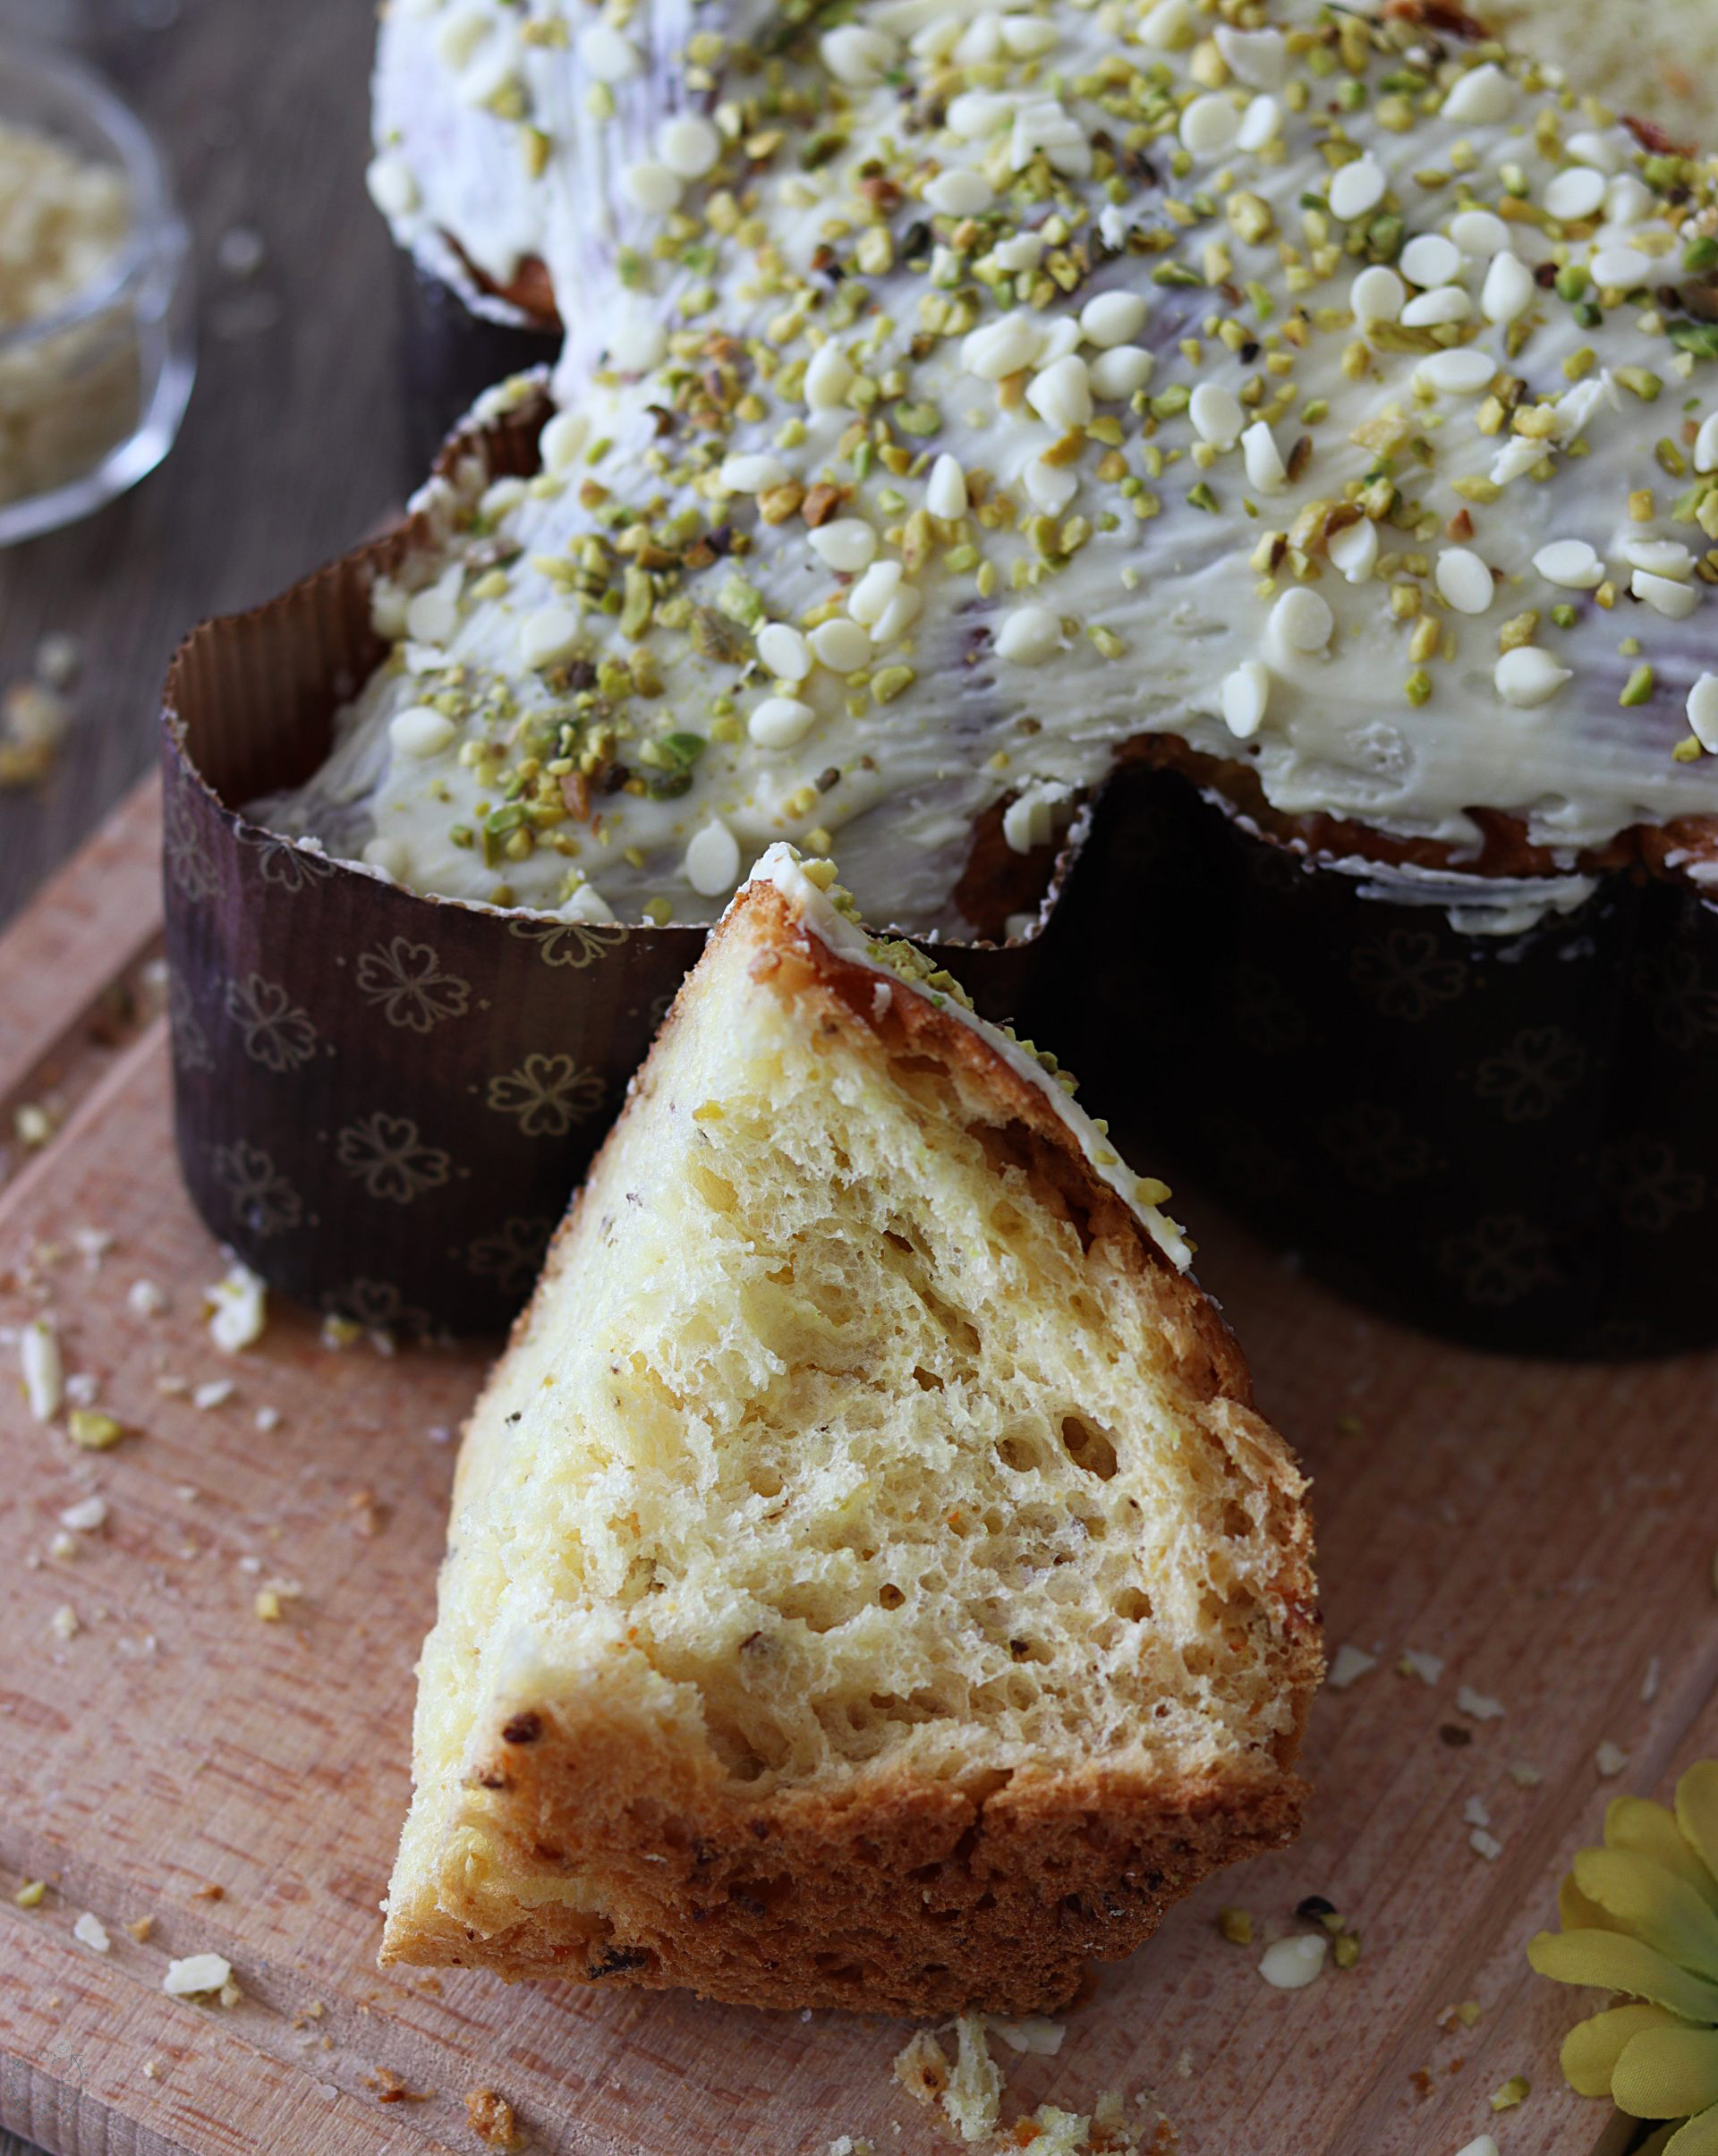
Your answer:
<point x="869" y="1584"/>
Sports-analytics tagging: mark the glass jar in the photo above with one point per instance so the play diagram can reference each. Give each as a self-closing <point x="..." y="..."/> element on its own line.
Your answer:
<point x="92" y="389"/>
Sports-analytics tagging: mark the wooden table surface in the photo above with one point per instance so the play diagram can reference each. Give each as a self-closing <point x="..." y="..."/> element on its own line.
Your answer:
<point x="293" y="443"/>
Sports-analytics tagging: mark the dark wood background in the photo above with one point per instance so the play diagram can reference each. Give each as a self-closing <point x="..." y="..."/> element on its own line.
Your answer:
<point x="295" y="443"/>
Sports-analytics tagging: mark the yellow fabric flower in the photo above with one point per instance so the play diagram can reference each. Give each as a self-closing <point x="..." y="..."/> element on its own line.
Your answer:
<point x="1640" y="1917"/>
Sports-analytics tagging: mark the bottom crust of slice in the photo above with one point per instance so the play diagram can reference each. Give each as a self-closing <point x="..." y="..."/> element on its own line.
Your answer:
<point x="798" y="1900"/>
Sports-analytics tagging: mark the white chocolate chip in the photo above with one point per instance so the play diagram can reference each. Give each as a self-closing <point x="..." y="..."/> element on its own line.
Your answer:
<point x="1510" y="289"/>
<point x="1218" y="415"/>
<point x="1258" y="58"/>
<point x="561" y="440"/>
<point x="1029" y="636"/>
<point x="1703" y="712"/>
<point x="1705" y="446"/>
<point x="1261" y="124"/>
<point x="652" y="187"/>
<point x="689" y="144"/>
<point x="856" y="56"/>
<point x="609" y="55"/>
<point x="713" y="861"/>
<point x="1481" y="233"/>
<point x="1578" y="192"/>
<point x="1210" y="125"/>
<point x="752" y="472"/>
<point x="548" y="636"/>
<point x="1621" y="267"/>
<point x="1354" y="550"/>
<point x="419" y="731"/>
<point x="1294" y="1962"/>
<point x="779" y="722"/>
<point x="587" y="903"/>
<point x="1430" y="260"/>
<point x="873" y="592"/>
<point x="945" y="493"/>
<point x="1061" y="394"/>
<point x="1302" y="622"/>
<point x="1571" y="563"/>
<point x="784" y="651"/>
<point x="1464" y="580"/>
<point x="1482" y="97"/>
<point x="1459" y="373"/>
<point x="1246" y="697"/>
<point x="1122" y="372"/>
<point x="1357" y="189"/>
<point x="1265" y="468"/>
<point x="1664" y="595"/>
<point x="1377" y="295"/>
<point x="637" y="344"/>
<point x="393" y="186"/>
<point x="1113" y="318"/>
<point x="1431" y="310"/>
<point x="959" y="192"/>
<point x="841" y="645"/>
<point x="1658" y="557"/>
<point x="1528" y="677"/>
<point x="1002" y="347"/>
<point x="828" y="378"/>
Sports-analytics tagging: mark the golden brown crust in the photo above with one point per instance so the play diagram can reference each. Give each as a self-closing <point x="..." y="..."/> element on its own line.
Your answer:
<point x="902" y="1893"/>
<point x="904" y="1896"/>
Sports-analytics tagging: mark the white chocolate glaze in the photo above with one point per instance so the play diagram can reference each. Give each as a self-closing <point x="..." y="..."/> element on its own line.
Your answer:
<point x="902" y="971"/>
<point x="1165" y="439"/>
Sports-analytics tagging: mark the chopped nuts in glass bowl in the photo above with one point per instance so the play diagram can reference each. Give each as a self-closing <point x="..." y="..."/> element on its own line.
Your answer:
<point x="95" y="350"/>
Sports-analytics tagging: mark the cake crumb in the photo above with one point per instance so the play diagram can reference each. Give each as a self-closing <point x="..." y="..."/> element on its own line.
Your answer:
<point x="1350" y="1665"/>
<point x="91" y="1932"/>
<point x="973" y="2100"/>
<point x="63" y="1624"/>
<point x="1484" y="1845"/>
<point x="31" y="1894"/>
<point x="198" y="1976"/>
<point x="141" y="1928"/>
<point x="1477" y="1706"/>
<point x="490" y="2118"/>
<point x="1427" y="1668"/>
<point x="1610" y="1759"/>
<point x="391" y="2088"/>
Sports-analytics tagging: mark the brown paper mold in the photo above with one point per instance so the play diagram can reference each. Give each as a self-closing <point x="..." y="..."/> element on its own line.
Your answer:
<point x="1507" y="1139"/>
<point x="382" y="1101"/>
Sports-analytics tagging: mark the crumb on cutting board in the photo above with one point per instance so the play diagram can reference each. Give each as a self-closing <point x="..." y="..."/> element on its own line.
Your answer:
<point x="491" y="2118"/>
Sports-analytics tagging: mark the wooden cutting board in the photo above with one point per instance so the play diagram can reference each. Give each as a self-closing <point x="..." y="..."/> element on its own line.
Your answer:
<point x="1547" y="1533"/>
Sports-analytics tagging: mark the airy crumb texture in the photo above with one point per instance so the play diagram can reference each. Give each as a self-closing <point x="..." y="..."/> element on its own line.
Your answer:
<point x="868" y="1582"/>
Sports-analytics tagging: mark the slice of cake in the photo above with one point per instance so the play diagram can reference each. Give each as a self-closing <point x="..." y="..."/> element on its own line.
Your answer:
<point x="868" y="1582"/>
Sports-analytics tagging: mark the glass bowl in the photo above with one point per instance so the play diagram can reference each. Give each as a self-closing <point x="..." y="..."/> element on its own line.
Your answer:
<point x="91" y="394"/>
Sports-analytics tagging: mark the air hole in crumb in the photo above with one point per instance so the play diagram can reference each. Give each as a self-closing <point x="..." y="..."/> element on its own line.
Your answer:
<point x="927" y="1380"/>
<point x="716" y="1191"/>
<point x="1131" y="1604"/>
<point x="1021" y="1450"/>
<point x="1088" y="1448"/>
<point x="890" y="1596"/>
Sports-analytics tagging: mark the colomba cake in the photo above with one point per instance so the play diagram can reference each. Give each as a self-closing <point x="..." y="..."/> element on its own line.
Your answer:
<point x="869" y="1584"/>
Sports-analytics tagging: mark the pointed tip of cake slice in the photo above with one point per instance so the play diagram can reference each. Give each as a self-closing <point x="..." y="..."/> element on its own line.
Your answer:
<point x="690" y="1755"/>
